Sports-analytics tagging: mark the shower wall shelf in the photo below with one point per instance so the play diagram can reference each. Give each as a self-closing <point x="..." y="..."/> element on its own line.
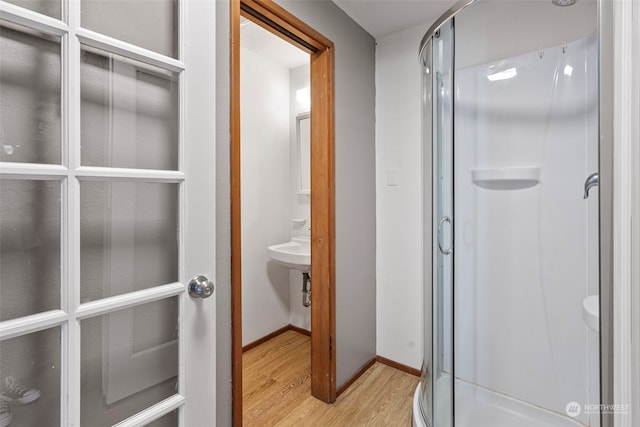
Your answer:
<point x="506" y="178"/>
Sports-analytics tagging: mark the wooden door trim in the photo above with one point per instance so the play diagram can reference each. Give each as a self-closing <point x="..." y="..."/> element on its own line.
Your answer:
<point x="323" y="308"/>
<point x="236" y="250"/>
<point x="285" y="25"/>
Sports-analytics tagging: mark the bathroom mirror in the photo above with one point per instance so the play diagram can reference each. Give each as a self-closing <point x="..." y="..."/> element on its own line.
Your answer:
<point x="303" y="134"/>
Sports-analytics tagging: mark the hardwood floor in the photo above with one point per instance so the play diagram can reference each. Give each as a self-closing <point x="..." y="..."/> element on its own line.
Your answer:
<point x="277" y="390"/>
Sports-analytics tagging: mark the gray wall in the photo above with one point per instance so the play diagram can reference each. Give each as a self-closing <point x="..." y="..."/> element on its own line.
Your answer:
<point x="355" y="181"/>
<point x="223" y="220"/>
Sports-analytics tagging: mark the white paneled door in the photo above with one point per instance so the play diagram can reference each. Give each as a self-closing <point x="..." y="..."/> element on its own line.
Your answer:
<point x="107" y="213"/>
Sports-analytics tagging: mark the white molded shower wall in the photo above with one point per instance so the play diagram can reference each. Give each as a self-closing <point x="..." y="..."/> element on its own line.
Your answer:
<point x="526" y="251"/>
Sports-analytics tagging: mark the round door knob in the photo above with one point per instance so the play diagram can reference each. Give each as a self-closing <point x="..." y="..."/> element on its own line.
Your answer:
<point x="200" y="287"/>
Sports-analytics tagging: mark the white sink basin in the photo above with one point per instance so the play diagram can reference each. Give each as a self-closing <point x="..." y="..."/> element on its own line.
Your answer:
<point x="590" y="312"/>
<point x="295" y="254"/>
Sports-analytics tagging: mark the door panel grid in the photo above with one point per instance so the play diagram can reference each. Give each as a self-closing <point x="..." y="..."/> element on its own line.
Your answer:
<point x="71" y="175"/>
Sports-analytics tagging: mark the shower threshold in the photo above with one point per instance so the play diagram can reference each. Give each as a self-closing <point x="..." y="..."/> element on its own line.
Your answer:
<point x="479" y="407"/>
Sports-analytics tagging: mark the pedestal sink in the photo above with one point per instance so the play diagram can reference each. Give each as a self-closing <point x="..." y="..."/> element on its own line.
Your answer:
<point x="295" y="254"/>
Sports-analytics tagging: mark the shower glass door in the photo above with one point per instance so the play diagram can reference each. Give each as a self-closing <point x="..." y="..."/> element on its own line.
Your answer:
<point x="437" y="384"/>
<point x="526" y="243"/>
<point x="511" y="120"/>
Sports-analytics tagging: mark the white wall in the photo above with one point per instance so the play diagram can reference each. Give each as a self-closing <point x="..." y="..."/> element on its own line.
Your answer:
<point x="299" y="315"/>
<point x="634" y="195"/>
<point x="626" y="208"/>
<point x="264" y="101"/>
<point x="399" y="231"/>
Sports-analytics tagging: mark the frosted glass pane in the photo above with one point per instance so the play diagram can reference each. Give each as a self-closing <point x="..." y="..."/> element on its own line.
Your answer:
<point x="33" y="361"/>
<point x="122" y="376"/>
<point x="46" y="7"/>
<point x="129" y="113"/>
<point x="30" y="129"/>
<point x="152" y="25"/>
<point x="128" y="237"/>
<point x="29" y="247"/>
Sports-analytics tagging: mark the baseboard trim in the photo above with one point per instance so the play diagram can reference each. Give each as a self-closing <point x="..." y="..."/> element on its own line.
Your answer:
<point x="265" y="338"/>
<point x="399" y="366"/>
<point x="358" y="374"/>
<point x="274" y="334"/>
<point x="299" y="330"/>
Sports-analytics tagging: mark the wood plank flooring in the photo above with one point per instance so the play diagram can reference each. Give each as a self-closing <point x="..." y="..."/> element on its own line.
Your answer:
<point x="277" y="390"/>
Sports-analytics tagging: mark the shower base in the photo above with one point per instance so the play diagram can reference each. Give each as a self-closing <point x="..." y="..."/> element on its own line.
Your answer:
<point x="478" y="407"/>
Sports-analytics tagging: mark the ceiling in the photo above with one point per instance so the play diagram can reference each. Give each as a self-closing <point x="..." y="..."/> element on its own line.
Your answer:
<point x="382" y="17"/>
<point x="377" y="17"/>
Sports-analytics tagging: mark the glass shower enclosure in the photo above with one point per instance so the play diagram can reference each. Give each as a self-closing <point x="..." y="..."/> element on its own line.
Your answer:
<point x="510" y="135"/>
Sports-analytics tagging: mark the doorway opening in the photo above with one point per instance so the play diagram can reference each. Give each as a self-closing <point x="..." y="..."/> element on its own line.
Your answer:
<point x="278" y="21"/>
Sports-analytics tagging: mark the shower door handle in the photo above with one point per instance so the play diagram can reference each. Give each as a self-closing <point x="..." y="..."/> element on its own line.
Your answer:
<point x="444" y="251"/>
<point x="592" y="181"/>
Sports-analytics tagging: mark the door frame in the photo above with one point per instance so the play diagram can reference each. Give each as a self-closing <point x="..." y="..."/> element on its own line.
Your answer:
<point x="283" y="24"/>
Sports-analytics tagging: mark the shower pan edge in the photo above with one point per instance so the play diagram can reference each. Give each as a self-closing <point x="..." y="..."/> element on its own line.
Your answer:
<point x="487" y="402"/>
